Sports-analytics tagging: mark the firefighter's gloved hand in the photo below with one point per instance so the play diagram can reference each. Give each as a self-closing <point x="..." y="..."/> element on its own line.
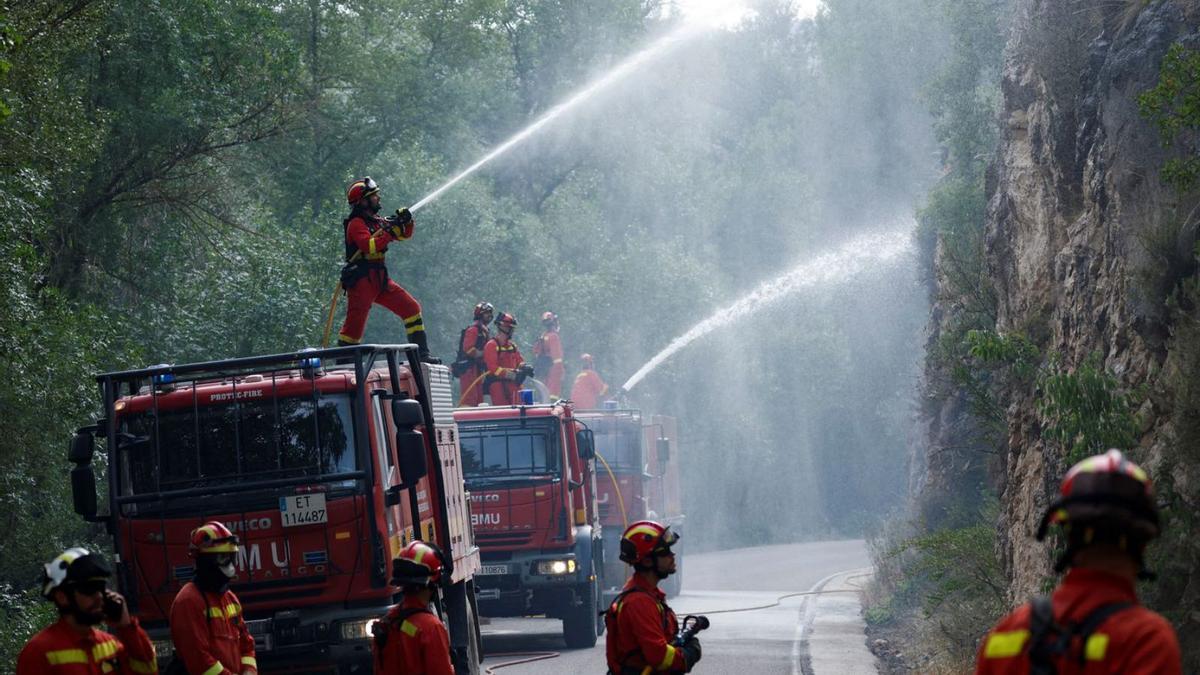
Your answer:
<point x="403" y="217"/>
<point x="691" y="653"/>
<point x="401" y="225"/>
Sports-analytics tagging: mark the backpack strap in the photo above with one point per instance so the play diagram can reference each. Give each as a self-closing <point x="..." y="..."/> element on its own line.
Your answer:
<point x="611" y="613"/>
<point x="1041" y="624"/>
<point x="382" y="629"/>
<point x="1091" y="622"/>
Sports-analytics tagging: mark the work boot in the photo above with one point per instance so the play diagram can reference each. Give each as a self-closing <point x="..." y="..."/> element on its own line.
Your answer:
<point x="418" y="338"/>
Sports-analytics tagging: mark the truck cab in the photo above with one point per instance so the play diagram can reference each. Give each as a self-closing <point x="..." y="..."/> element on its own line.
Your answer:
<point x="532" y="487"/>
<point x="637" y="479"/>
<point x="325" y="463"/>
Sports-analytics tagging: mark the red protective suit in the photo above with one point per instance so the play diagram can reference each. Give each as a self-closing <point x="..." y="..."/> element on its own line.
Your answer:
<point x="366" y="280"/>
<point x="209" y="633"/>
<point x="500" y="361"/>
<point x="642" y="631"/>
<point x="587" y="390"/>
<point x="474" y="341"/>
<point x="416" y="645"/>
<point x="548" y="361"/>
<point x="59" y="649"/>
<point x="1134" y="641"/>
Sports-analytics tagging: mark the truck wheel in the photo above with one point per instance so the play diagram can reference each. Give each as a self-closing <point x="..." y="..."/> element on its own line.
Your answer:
<point x="463" y="627"/>
<point x="579" y="623"/>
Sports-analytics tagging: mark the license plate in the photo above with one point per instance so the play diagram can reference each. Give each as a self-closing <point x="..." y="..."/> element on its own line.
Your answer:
<point x="303" y="510"/>
<point x="493" y="569"/>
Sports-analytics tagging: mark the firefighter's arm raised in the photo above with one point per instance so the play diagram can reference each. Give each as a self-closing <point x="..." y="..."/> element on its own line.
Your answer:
<point x="191" y="636"/>
<point x="367" y="243"/>
<point x="641" y="617"/>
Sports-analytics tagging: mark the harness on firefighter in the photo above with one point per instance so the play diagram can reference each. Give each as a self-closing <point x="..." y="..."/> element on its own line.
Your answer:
<point x="357" y="266"/>
<point x="462" y="362"/>
<point x="1048" y="639"/>
<point x="610" y="625"/>
<point x="382" y="629"/>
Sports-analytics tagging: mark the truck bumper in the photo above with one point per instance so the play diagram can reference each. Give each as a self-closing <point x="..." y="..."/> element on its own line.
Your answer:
<point x="518" y="586"/>
<point x="317" y="641"/>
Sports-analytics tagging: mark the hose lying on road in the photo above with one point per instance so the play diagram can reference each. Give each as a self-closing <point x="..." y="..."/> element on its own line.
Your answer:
<point x="526" y="657"/>
<point x="530" y="657"/>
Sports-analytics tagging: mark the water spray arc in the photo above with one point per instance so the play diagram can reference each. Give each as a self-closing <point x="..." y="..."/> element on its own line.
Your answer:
<point x="854" y="257"/>
<point x="621" y="71"/>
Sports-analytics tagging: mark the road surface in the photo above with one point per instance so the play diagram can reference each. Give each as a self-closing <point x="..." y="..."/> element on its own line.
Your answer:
<point x="774" y="640"/>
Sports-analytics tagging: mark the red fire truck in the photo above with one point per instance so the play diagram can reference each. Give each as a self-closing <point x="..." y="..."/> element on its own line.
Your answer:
<point x="643" y="458"/>
<point x="530" y="472"/>
<point x="324" y="462"/>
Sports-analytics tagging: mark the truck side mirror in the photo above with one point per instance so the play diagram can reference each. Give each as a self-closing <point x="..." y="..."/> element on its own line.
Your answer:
<point x="410" y="456"/>
<point x="82" y="448"/>
<point x="407" y="413"/>
<point x="587" y="443"/>
<point x="83" y="490"/>
<point x="663" y="446"/>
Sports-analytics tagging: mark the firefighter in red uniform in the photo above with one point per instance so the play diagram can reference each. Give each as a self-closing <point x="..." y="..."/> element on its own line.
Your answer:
<point x="207" y="627"/>
<point x="76" y="582"/>
<point x="365" y="275"/>
<point x="639" y="623"/>
<point x="506" y="369"/>
<point x="548" y="355"/>
<point x="588" y="387"/>
<point x="469" y="366"/>
<point x="1092" y="623"/>
<point x="411" y="640"/>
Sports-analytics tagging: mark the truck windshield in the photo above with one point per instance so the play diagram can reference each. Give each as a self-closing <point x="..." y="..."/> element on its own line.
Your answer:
<point x="509" y="448"/>
<point x="242" y="442"/>
<point x="620" y="446"/>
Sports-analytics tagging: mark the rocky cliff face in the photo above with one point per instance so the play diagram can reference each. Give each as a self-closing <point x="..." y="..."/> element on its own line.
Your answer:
<point x="1080" y="238"/>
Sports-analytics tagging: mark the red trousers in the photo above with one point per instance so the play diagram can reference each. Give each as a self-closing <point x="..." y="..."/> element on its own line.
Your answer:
<point x="471" y="396"/>
<point x="503" y="392"/>
<point x="371" y="290"/>
<point x="554" y="379"/>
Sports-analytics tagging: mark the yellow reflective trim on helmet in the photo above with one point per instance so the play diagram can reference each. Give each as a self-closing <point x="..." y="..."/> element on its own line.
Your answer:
<point x="668" y="658"/>
<point x="214" y="669"/>
<point x="409" y="628"/>
<point x="1005" y="645"/>
<point x="142" y="667"/>
<point x="61" y="657"/>
<point x="104" y="650"/>
<point x="1096" y="647"/>
<point x="643" y="529"/>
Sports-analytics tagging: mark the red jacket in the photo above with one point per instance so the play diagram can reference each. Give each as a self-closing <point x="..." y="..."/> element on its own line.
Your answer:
<point x="371" y="235"/>
<point x="1134" y="641"/>
<point x="418" y="645"/>
<point x="471" y="337"/>
<point x="209" y="633"/>
<point x="587" y="390"/>
<point x="642" y="633"/>
<point x="59" y="649"/>
<point x="501" y="359"/>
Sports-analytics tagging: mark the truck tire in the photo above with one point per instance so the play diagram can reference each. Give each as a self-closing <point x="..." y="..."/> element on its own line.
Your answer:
<point x="579" y="623"/>
<point x="463" y="626"/>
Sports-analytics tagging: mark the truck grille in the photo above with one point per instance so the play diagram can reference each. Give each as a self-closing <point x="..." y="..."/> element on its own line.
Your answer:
<point x="503" y="538"/>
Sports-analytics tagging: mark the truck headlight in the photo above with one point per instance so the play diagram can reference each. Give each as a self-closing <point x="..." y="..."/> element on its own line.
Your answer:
<point x="358" y="630"/>
<point x="556" y="567"/>
<point x="163" y="649"/>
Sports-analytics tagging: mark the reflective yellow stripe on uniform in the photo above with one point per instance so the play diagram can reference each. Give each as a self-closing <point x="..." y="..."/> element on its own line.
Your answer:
<point x="371" y="246"/>
<point x="142" y="667"/>
<point x="105" y="667"/>
<point x="346" y="338"/>
<point x="104" y="650"/>
<point x="668" y="659"/>
<point x="1005" y="645"/>
<point x="1096" y="647"/>
<point x="214" y="669"/>
<point x="60" y="657"/>
<point x="250" y="661"/>
<point x="409" y="628"/>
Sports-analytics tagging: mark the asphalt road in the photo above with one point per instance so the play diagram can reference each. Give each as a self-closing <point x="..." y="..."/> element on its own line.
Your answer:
<point x="761" y="641"/>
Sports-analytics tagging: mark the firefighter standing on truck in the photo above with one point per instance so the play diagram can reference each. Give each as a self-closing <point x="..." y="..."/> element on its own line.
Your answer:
<point x="207" y="627"/>
<point x="548" y="355"/>
<point x="588" y="387"/>
<point x="365" y="275"/>
<point x="639" y="623"/>
<point x="506" y="369"/>
<point x="469" y="365"/>
<point x="76" y="581"/>
<point x="1092" y="623"/>
<point x="411" y="640"/>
